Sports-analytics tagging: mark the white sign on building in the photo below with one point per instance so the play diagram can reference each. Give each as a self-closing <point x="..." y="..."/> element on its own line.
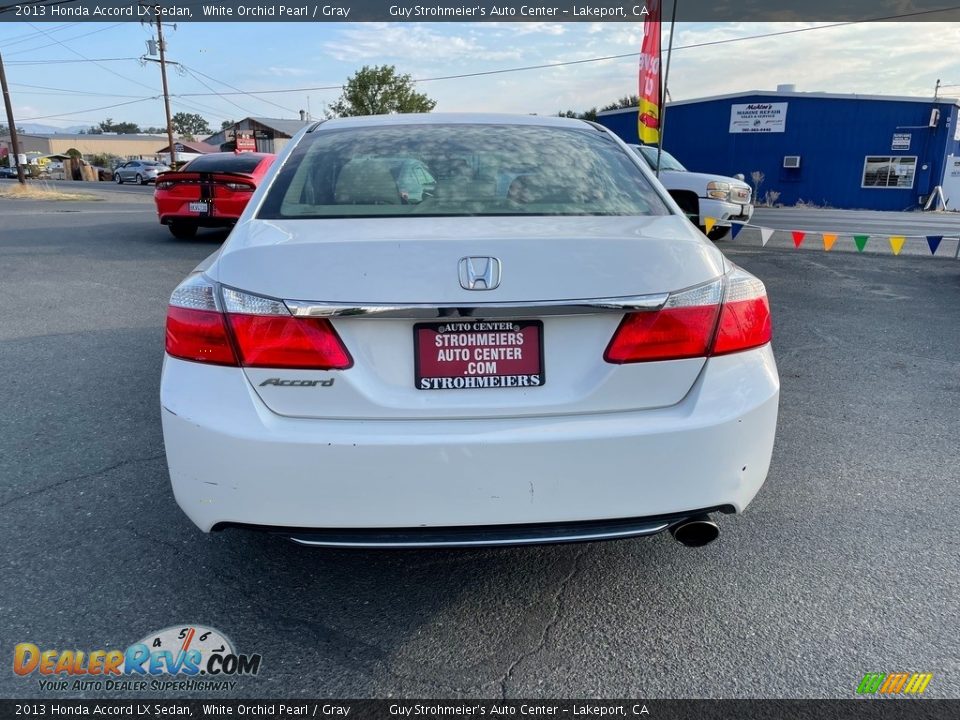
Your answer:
<point x="758" y="118"/>
<point x="901" y="141"/>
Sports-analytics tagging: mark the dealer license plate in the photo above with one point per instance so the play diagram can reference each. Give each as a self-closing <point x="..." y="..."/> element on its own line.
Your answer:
<point x="472" y="354"/>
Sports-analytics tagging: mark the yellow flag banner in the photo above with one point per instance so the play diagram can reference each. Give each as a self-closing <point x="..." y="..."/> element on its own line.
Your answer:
<point x="828" y="240"/>
<point x="648" y="115"/>
<point x="896" y="243"/>
<point x="708" y="223"/>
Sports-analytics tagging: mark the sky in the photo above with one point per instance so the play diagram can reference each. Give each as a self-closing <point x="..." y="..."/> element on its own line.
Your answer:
<point x="868" y="58"/>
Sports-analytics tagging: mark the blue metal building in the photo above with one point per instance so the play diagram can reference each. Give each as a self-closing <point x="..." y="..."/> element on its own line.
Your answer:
<point x="843" y="151"/>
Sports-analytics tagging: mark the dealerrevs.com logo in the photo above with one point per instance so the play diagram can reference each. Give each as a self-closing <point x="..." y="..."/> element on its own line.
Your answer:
<point x="894" y="683"/>
<point x="180" y="657"/>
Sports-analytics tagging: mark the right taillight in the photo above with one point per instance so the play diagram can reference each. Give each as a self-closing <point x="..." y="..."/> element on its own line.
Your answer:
<point x="745" y="316"/>
<point x="238" y="328"/>
<point x="720" y="317"/>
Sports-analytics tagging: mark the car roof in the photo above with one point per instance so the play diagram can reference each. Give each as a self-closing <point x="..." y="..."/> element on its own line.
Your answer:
<point x="454" y="118"/>
<point x="231" y="154"/>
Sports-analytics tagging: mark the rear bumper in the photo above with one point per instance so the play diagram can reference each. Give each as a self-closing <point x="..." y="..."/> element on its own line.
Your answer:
<point x="234" y="462"/>
<point x="199" y="220"/>
<point x="480" y="535"/>
<point x="176" y="210"/>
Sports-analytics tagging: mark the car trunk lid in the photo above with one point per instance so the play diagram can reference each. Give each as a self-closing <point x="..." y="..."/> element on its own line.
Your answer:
<point x="392" y="290"/>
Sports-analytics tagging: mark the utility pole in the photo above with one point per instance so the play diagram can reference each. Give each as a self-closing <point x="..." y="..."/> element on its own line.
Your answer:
<point x="14" y="142"/>
<point x="166" y="92"/>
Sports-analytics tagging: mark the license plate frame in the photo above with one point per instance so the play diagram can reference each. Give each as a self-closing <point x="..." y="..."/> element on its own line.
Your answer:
<point x="531" y="331"/>
<point x="200" y="207"/>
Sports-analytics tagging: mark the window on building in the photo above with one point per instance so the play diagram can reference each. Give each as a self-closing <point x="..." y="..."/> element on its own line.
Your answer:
<point x="889" y="172"/>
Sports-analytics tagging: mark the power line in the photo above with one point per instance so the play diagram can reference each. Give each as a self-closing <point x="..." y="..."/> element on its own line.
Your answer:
<point x="84" y="57"/>
<point x="225" y="84"/>
<point x="191" y="74"/>
<point x="68" y="62"/>
<point x="67" y="91"/>
<point x="113" y="72"/>
<point x="75" y="37"/>
<point x="27" y="37"/>
<point x="80" y="112"/>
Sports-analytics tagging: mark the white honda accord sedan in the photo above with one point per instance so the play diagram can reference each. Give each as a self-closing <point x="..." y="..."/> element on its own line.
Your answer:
<point x="462" y="330"/>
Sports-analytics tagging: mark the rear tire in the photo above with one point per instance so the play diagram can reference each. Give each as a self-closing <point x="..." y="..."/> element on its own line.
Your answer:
<point x="118" y="179"/>
<point x="140" y="179"/>
<point x="183" y="231"/>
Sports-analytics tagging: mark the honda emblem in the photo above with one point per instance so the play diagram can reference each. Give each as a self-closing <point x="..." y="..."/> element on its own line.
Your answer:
<point x="479" y="273"/>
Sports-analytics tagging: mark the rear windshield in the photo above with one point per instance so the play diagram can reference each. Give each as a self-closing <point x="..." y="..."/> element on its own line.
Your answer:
<point x="459" y="169"/>
<point x="242" y="163"/>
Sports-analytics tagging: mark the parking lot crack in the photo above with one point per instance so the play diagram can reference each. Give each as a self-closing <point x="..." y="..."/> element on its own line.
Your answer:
<point x="361" y="657"/>
<point x="558" y="602"/>
<point x="77" y="478"/>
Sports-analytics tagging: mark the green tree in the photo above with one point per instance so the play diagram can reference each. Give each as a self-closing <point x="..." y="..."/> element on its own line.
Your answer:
<point x="627" y="101"/>
<point x="109" y="126"/>
<point x="227" y="124"/>
<point x="590" y="114"/>
<point x="190" y="124"/>
<point x="378" y="91"/>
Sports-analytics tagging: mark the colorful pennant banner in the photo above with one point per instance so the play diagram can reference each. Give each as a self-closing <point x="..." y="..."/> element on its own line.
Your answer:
<point x="897" y="242"/>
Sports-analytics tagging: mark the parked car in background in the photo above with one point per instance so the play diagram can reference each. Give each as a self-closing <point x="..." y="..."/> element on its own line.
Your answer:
<point x="140" y="172"/>
<point x="701" y="195"/>
<point x="363" y="365"/>
<point x="209" y="191"/>
<point x="8" y="172"/>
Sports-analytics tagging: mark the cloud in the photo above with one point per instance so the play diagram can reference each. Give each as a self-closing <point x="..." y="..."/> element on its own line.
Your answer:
<point x="413" y="44"/>
<point x="285" y="71"/>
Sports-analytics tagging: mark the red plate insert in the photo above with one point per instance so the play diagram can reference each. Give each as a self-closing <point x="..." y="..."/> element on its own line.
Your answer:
<point x="469" y="354"/>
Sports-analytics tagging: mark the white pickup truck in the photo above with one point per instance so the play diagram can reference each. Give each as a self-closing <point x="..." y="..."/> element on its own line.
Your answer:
<point x="699" y="195"/>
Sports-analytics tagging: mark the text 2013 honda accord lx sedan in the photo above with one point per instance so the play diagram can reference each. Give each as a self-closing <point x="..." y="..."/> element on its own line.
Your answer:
<point x="466" y="330"/>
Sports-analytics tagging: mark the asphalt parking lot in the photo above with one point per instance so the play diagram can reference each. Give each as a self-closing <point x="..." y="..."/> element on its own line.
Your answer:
<point x="847" y="562"/>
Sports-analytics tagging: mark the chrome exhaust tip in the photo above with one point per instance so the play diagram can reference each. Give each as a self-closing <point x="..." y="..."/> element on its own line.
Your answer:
<point x="695" y="531"/>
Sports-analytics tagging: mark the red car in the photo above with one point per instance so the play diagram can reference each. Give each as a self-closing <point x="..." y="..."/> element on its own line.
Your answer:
<point x="209" y="191"/>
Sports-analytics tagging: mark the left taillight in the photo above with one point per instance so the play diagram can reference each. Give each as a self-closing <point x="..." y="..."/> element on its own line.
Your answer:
<point x="229" y="327"/>
<point x="196" y="327"/>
